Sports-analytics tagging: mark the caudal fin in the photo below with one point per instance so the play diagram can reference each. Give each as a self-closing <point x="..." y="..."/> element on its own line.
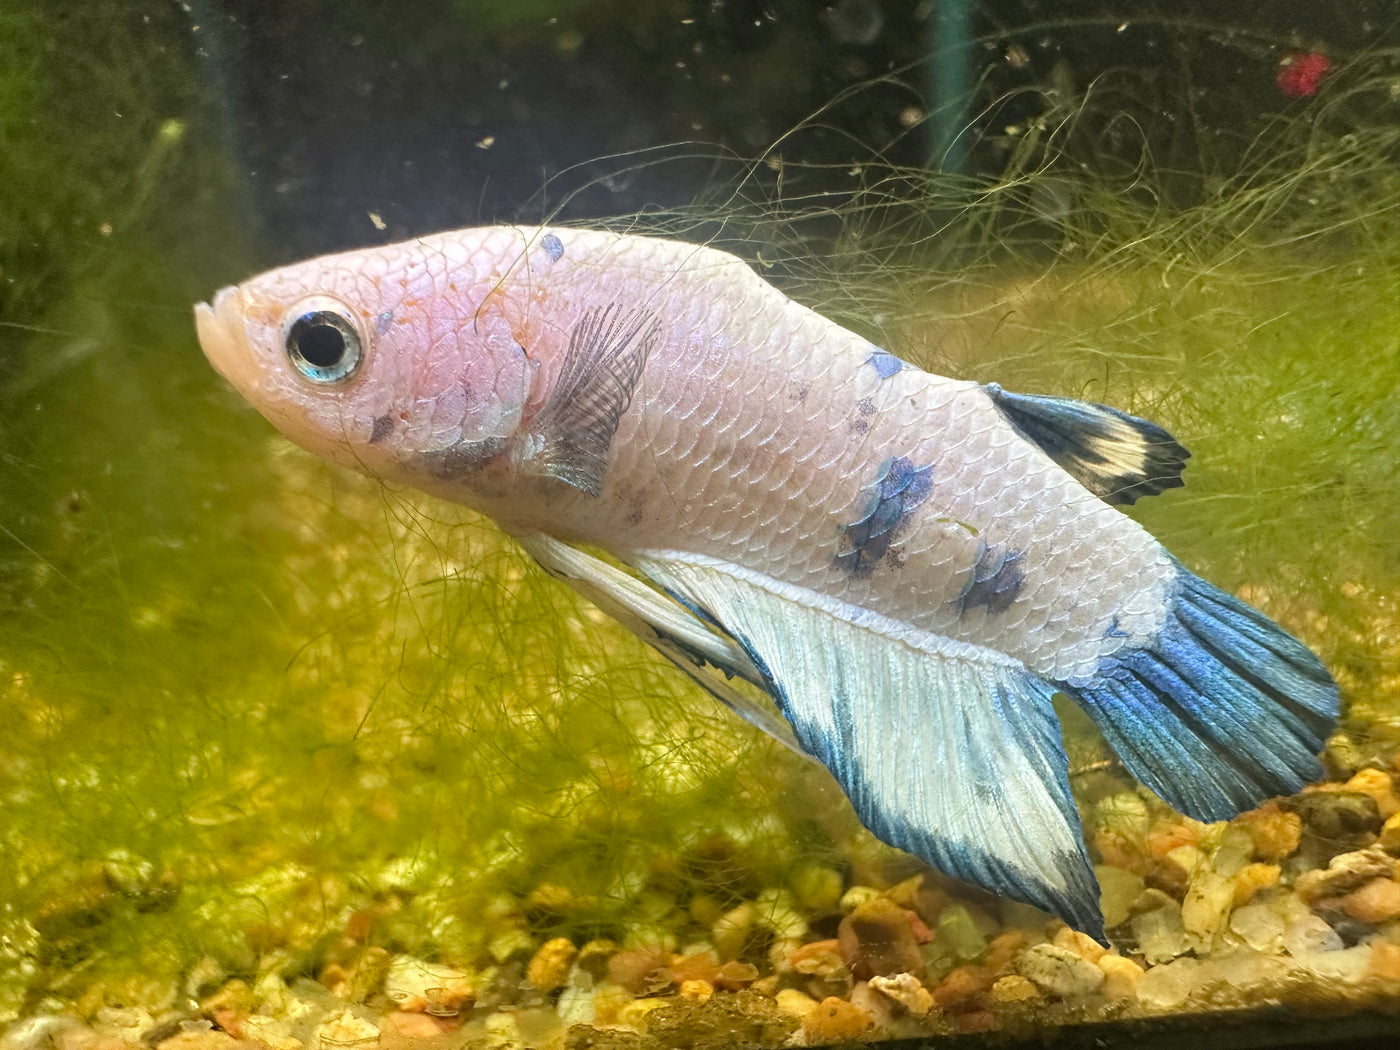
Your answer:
<point x="1223" y="710"/>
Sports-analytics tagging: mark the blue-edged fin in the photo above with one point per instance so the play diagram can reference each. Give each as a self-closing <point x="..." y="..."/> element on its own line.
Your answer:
<point x="947" y="750"/>
<point x="709" y="657"/>
<point x="1223" y="710"/>
<point x="573" y="429"/>
<point x="1118" y="457"/>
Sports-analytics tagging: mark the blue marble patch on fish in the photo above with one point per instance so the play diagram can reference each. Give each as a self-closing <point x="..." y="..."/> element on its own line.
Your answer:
<point x="885" y="363"/>
<point x="900" y="488"/>
<point x="553" y="247"/>
<point x="996" y="580"/>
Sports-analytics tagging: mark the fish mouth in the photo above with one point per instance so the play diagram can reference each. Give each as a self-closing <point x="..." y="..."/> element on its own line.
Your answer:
<point x="219" y="326"/>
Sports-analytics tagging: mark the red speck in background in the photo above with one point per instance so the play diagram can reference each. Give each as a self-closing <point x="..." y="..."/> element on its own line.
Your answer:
<point x="1299" y="73"/>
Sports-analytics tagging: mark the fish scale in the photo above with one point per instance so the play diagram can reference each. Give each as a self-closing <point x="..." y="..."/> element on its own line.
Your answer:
<point x="907" y="567"/>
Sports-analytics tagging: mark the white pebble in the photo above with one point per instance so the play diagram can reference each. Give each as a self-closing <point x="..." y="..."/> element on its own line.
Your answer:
<point x="1259" y="926"/>
<point x="1060" y="971"/>
<point x="1170" y="984"/>
<point x="1310" y="933"/>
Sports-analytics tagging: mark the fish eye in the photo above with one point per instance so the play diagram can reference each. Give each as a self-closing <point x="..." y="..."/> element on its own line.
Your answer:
<point x="322" y="340"/>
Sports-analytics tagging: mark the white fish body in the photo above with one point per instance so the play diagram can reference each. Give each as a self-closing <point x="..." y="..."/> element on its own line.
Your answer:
<point x="911" y="566"/>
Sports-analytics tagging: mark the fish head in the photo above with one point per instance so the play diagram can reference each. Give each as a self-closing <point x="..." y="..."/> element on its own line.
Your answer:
<point x="386" y="359"/>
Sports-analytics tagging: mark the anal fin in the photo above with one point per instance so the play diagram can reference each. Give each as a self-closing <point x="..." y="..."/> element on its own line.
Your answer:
<point x="947" y="750"/>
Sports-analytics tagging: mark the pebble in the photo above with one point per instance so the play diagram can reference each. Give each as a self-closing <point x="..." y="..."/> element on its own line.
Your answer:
<point x="1344" y="873"/>
<point x="347" y="1030"/>
<point x="1121" y="976"/>
<point x="794" y="1003"/>
<point x="1251" y="879"/>
<point x="1170" y="984"/>
<point x="696" y="990"/>
<point x="906" y="990"/>
<point x="876" y="938"/>
<point x="958" y="933"/>
<point x="1118" y="888"/>
<point x="834" y="1020"/>
<point x="1308" y="934"/>
<point x="1259" y="926"/>
<point x="1377" y="784"/>
<point x="1276" y="831"/>
<point x="641" y="970"/>
<point x="1341" y="816"/>
<point x="817" y="887"/>
<point x="1059" y="971"/>
<point x="1159" y="932"/>
<point x="549" y="967"/>
<point x="1390" y="834"/>
<point x="1385" y="961"/>
<point x="1013" y="988"/>
<point x="732" y="931"/>
<point x="1206" y="907"/>
<point x="962" y="985"/>
<point x="422" y="987"/>
<point x="821" y="959"/>
<point x="1080" y="943"/>
<point x="1376" y="902"/>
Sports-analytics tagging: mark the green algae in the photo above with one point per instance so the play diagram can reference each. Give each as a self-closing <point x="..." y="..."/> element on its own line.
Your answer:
<point x="257" y="707"/>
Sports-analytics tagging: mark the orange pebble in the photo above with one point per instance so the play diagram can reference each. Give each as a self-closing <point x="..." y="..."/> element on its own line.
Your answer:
<point x="835" y="1020"/>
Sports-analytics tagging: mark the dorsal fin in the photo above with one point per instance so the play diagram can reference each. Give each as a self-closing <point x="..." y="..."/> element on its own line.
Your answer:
<point x="1118" y="457"/>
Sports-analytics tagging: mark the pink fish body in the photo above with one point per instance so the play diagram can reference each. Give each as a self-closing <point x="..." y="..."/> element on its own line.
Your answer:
<point x="908" y="565"/>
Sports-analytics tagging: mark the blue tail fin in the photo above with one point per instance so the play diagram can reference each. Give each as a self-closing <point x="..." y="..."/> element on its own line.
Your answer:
<point x="1222" y="711"/>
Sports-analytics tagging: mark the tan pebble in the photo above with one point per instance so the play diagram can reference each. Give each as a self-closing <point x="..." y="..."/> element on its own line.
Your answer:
<point x="1013" y="988"/>
<point x="765" y="986"/>
<point x="1390" y="834"/>
<point x="609" y="1000"/>
<point x="1385" y="961"/>
<point x="906" y="990"/>
<point x="961" y="985"/>
<point x="1004" y="949"/>
<point x="1121" y="976"/>
<point x="734" y="975"/>
<point x="634" y="1014"/>
<point x="1377" y="784"/>
<point x="411" y="1026"/>
<point x="794" y="1003"/>
<point x="347" y="1030"/>
<point x="1122" y="851"/>
<point x="1252" y="878"/>
<point x="641" y="969"/>
<point x="819" y="959"/>
<point x="1080" y="943"/>
<point x="1276" y="831"/>
<point x="1168" y="835"/>
<point x="1376" y="902"/>
<point x="834" y="1020"/>
<point x="696" y="991"/>
<point x="549" y="967"/>
<point x="697" y="966"/>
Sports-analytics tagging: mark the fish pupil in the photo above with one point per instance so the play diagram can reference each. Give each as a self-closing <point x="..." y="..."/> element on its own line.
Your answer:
<point x="323" y="345"/>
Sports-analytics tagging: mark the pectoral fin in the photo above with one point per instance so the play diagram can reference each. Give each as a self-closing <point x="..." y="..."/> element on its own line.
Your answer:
<point x="947" y="750"/>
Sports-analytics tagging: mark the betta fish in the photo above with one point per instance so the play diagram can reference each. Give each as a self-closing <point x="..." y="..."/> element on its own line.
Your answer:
<point x="907" y="568"/>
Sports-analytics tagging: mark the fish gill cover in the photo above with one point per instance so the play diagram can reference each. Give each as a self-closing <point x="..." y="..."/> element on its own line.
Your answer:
<point x="266" y="720"/>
